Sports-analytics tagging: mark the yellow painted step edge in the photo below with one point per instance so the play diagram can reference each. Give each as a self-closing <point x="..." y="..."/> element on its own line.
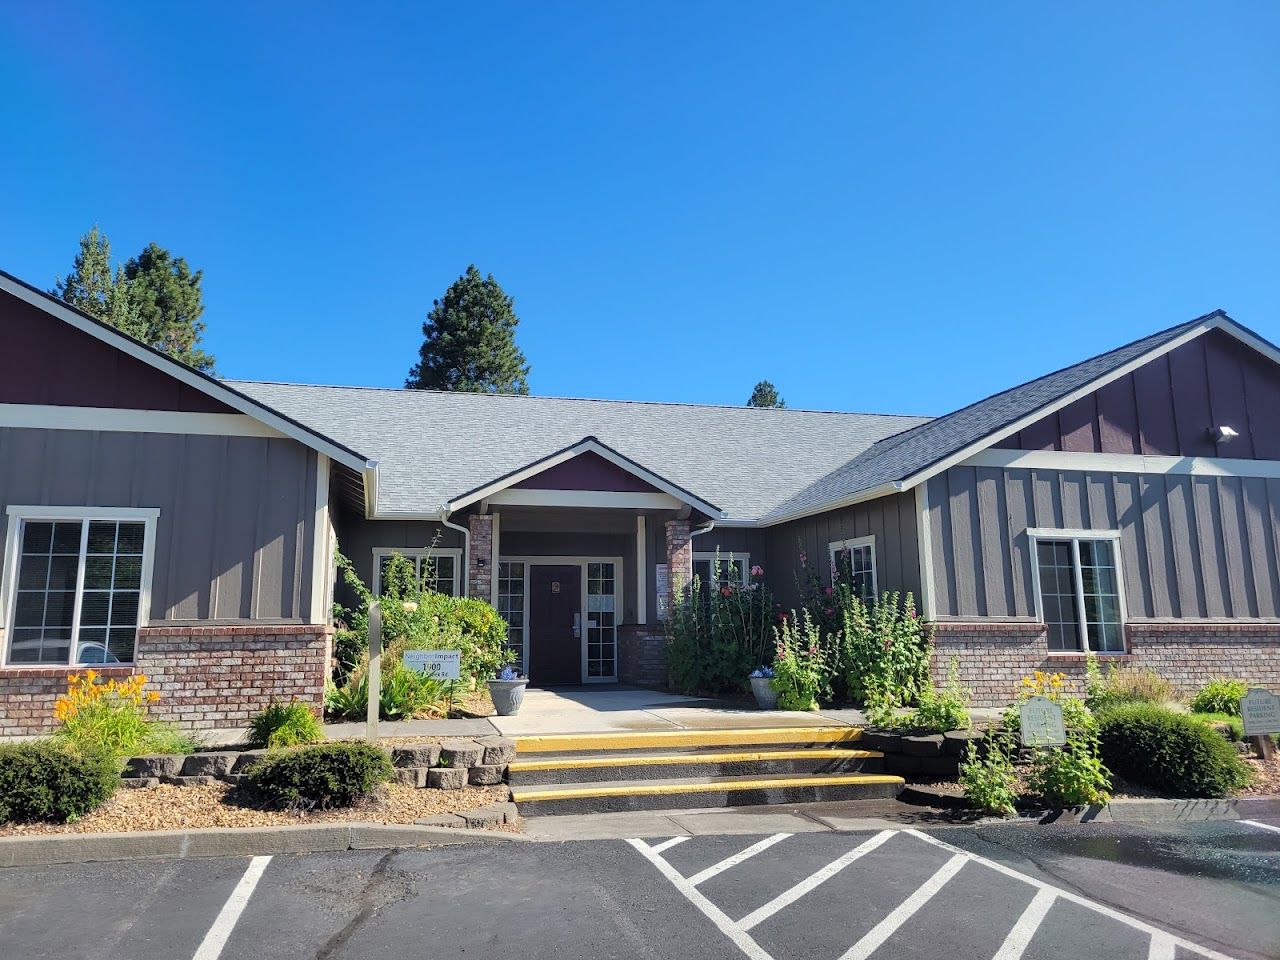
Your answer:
<point x="672" y="759"/>
<point x="657" y="739"/>
<point x="671" y="789"/>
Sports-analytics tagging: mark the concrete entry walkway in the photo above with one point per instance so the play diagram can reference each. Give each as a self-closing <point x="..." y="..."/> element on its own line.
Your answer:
<point x="620" y="709"/>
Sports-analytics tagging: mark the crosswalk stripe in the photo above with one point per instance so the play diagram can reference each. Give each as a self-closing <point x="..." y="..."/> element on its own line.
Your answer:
<point x="804" y="886"/>
<point x="737" y="858"/>
<point x="883" y="930"/>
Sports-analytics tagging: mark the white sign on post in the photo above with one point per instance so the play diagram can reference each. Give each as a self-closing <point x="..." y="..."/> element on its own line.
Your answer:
<point x="662" y="586"/>
<point x="1042" y="724"/>
<point x="437" y="664"/>
<point x="1260" y="711"/>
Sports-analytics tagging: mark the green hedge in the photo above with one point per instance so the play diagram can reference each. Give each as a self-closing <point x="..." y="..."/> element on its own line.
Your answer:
<point x="41" y="780"/>
<point x="319" y="777"/>
<point x="1169" y="751"/>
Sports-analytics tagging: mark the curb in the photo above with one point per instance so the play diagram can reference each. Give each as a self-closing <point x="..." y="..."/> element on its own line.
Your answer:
<point x="1128" y="810"/>
<point x="235" y="842"/>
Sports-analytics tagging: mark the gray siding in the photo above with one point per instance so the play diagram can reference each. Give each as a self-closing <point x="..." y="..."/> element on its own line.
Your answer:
<point x="234" y="536"/>
<point x="357" y="538"/>
<point x="1196" y="548"/>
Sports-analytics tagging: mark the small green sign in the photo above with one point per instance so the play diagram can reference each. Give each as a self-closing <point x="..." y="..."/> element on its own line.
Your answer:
<point x="1042" y="724"/>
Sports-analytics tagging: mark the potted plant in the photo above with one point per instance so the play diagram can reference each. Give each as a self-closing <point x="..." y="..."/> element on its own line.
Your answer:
<point x="762" y="687"/>
<point x="507" y="692"/>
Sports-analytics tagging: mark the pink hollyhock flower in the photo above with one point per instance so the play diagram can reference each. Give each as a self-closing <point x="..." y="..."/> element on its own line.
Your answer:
<point x="757" y="571"/>
<point x="726" y="592"/>
<point x="829" y="591"/>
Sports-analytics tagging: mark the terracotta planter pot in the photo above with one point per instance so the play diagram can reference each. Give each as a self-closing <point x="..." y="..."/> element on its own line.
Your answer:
<point x="766" y="696"/>
<point x="507" y="695"/>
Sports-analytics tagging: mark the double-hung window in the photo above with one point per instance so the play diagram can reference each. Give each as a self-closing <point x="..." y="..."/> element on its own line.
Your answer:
<point x="77" y="583"/>
<point x="721" y="569"/>
<point x="1079" y="589"/>
<point x="854" y="562"/>
<point x="436" y="570"/>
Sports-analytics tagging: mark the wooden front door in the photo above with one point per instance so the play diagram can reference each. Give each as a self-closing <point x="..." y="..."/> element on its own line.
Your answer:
<point x="555" y="606"/>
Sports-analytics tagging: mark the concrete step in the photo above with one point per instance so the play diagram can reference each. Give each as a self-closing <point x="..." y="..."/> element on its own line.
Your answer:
<point x="702" y="792"/>
<point x="687" y="739"/>
<point x="597" y="767"/>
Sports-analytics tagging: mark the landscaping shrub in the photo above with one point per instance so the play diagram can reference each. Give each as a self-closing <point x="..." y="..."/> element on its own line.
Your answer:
<point x="402" y="695"/>
<point x="1170" y="752"/>
<point x="1052" y="686"/>
<point x="942" y="710"/>
<point x="797" y="666"/>
<point x="285" y="725"/>
<point x="111" y="717"/>
<point x="1229" y="726"/>
<point x="1220" y="695"/>
<point x="44" y="780"/>
<point x="1070" y="776"/>
<point x="989" y="780"/>
<point x="1125" y="685"/>
<point x="716" y="637"/>
<point x="319" y="777"/>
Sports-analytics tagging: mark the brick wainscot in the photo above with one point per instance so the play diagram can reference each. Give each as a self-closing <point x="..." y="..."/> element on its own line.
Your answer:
<point x="995" y="656"/>
<point x="207" y="676"/>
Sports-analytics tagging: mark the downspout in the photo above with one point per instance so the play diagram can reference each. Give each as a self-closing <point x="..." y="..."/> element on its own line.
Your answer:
<point x="445" y="512"/>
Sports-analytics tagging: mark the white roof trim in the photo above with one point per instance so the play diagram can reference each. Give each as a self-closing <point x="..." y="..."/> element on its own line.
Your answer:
<point x="182" y="373"/>
<point x="586" y="445"/>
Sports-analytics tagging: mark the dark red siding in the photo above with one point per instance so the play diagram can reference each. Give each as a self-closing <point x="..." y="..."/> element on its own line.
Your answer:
<point x="587" y="471"/>
<point x="1167" y="406"/>
<point x="46" y="361"/>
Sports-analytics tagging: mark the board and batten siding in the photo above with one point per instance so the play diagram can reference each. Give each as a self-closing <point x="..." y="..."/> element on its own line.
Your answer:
<point x="237" y="514"/>
<point x="891" y="520"/>
<point x="1192" y="547"/>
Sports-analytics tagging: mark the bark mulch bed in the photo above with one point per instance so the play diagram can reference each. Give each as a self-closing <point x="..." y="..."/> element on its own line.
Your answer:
<point x="221" y="805"/>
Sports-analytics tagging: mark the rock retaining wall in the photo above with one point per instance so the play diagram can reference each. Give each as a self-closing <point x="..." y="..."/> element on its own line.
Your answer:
<point x="930" y="756"/>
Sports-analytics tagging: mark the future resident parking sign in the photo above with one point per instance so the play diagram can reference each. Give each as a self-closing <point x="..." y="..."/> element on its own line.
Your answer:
<point x="1042" y="724"/>
<point x="1260" y="710"/>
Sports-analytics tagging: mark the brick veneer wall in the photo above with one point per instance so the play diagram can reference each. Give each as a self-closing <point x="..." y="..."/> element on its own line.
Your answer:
<point x="207" y="677"/>
<point x="994" y="656"/>
<point x="642" y="655"/>
<point x="679" y="556"/>
<point x="479" y="576"/>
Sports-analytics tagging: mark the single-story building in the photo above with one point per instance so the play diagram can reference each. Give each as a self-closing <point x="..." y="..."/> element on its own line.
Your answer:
<point x="154" y="519"/>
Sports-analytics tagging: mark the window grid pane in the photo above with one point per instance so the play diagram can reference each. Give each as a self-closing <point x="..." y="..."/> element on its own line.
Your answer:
<point x="1064" y="579"/>
<point x="1100" y="580"/>
<point x="602" y="630"/>
<point x="1058" y="593"/>
<point x="511" y="607"/>
<point x="855" y="564"/>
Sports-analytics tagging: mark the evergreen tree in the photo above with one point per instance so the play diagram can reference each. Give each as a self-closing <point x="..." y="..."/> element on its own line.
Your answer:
<point x="166" y="295"/>
<point x="765" y="394"/>
<point x="94" y="289"/>
<point x="469" y="341"/>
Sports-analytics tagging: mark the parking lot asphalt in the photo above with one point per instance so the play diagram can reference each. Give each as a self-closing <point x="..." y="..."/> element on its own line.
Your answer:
<point x="995" y="892"/>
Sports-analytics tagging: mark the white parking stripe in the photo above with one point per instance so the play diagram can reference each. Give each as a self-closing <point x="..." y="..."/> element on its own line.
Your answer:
<point x="883" y="930"/>
<point x="1093" y="905"/>
<point x="667" y="844"/>
<point x="1262" y="826"/>
<point x="1162" y="947"/>
<point x="1015" y="944"/>
<point x="804" y="886"/>
<point x="733" y="931"/>
<point x="737" y="858"/>
<point x="211" y="947"/>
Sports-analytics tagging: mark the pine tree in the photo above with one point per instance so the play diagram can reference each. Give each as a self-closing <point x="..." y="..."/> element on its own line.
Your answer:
<point x="469" y="342"/>
<point x="166" y="295"/>
<point x="94" y="289"/>
<point x="765" y="394"/>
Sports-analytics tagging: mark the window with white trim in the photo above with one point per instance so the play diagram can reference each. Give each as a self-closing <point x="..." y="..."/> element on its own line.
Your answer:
<point x="436" y="570"/>
<point x="1078" y="585"/>
<point x="722" y="569"/>
<point x="78" y="586"/>
<point x="853" y="561"/>
<point x="511" y="606"/>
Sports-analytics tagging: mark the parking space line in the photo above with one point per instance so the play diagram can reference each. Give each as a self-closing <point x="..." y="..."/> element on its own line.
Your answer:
<point x="1152" y="931"/>
<point x="719" y="868"/>
<point x="667" y="844"/>
<point x="1262" y="826"/>
<point x="211" y="947"/>
<point x="804" y="886"/>
<point x="883" y="930"/>
<point x="1015" y="944"/>
<point x="741" y="939"/>
<point x="1162" y="947"/>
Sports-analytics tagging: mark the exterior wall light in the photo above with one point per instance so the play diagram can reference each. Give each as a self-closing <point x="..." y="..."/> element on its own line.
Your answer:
<point x="1222" y="434"/>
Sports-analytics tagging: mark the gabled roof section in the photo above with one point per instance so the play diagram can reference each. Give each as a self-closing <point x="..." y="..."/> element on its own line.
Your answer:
<point x="202" y="382"/>
<point x="901" y="462"/>
<point x="587" y="445"/>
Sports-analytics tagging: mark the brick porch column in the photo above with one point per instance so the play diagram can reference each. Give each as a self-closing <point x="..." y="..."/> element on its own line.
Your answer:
<point x="479" y="569"/>
<point x="679" y="556"/>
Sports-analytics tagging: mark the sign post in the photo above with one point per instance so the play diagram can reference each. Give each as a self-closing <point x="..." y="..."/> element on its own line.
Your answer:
<point x="1041" y="722"/>
<point x="375" y="672"/>
<point x="1260" y="711"/>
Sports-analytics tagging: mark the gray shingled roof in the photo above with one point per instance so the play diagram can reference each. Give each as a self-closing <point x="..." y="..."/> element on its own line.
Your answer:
<point x="906" y="454"/>
<point x="434" y="446"/>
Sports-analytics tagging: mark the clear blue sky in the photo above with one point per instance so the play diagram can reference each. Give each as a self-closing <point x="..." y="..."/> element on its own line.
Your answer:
<point x="886" y="207"/>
